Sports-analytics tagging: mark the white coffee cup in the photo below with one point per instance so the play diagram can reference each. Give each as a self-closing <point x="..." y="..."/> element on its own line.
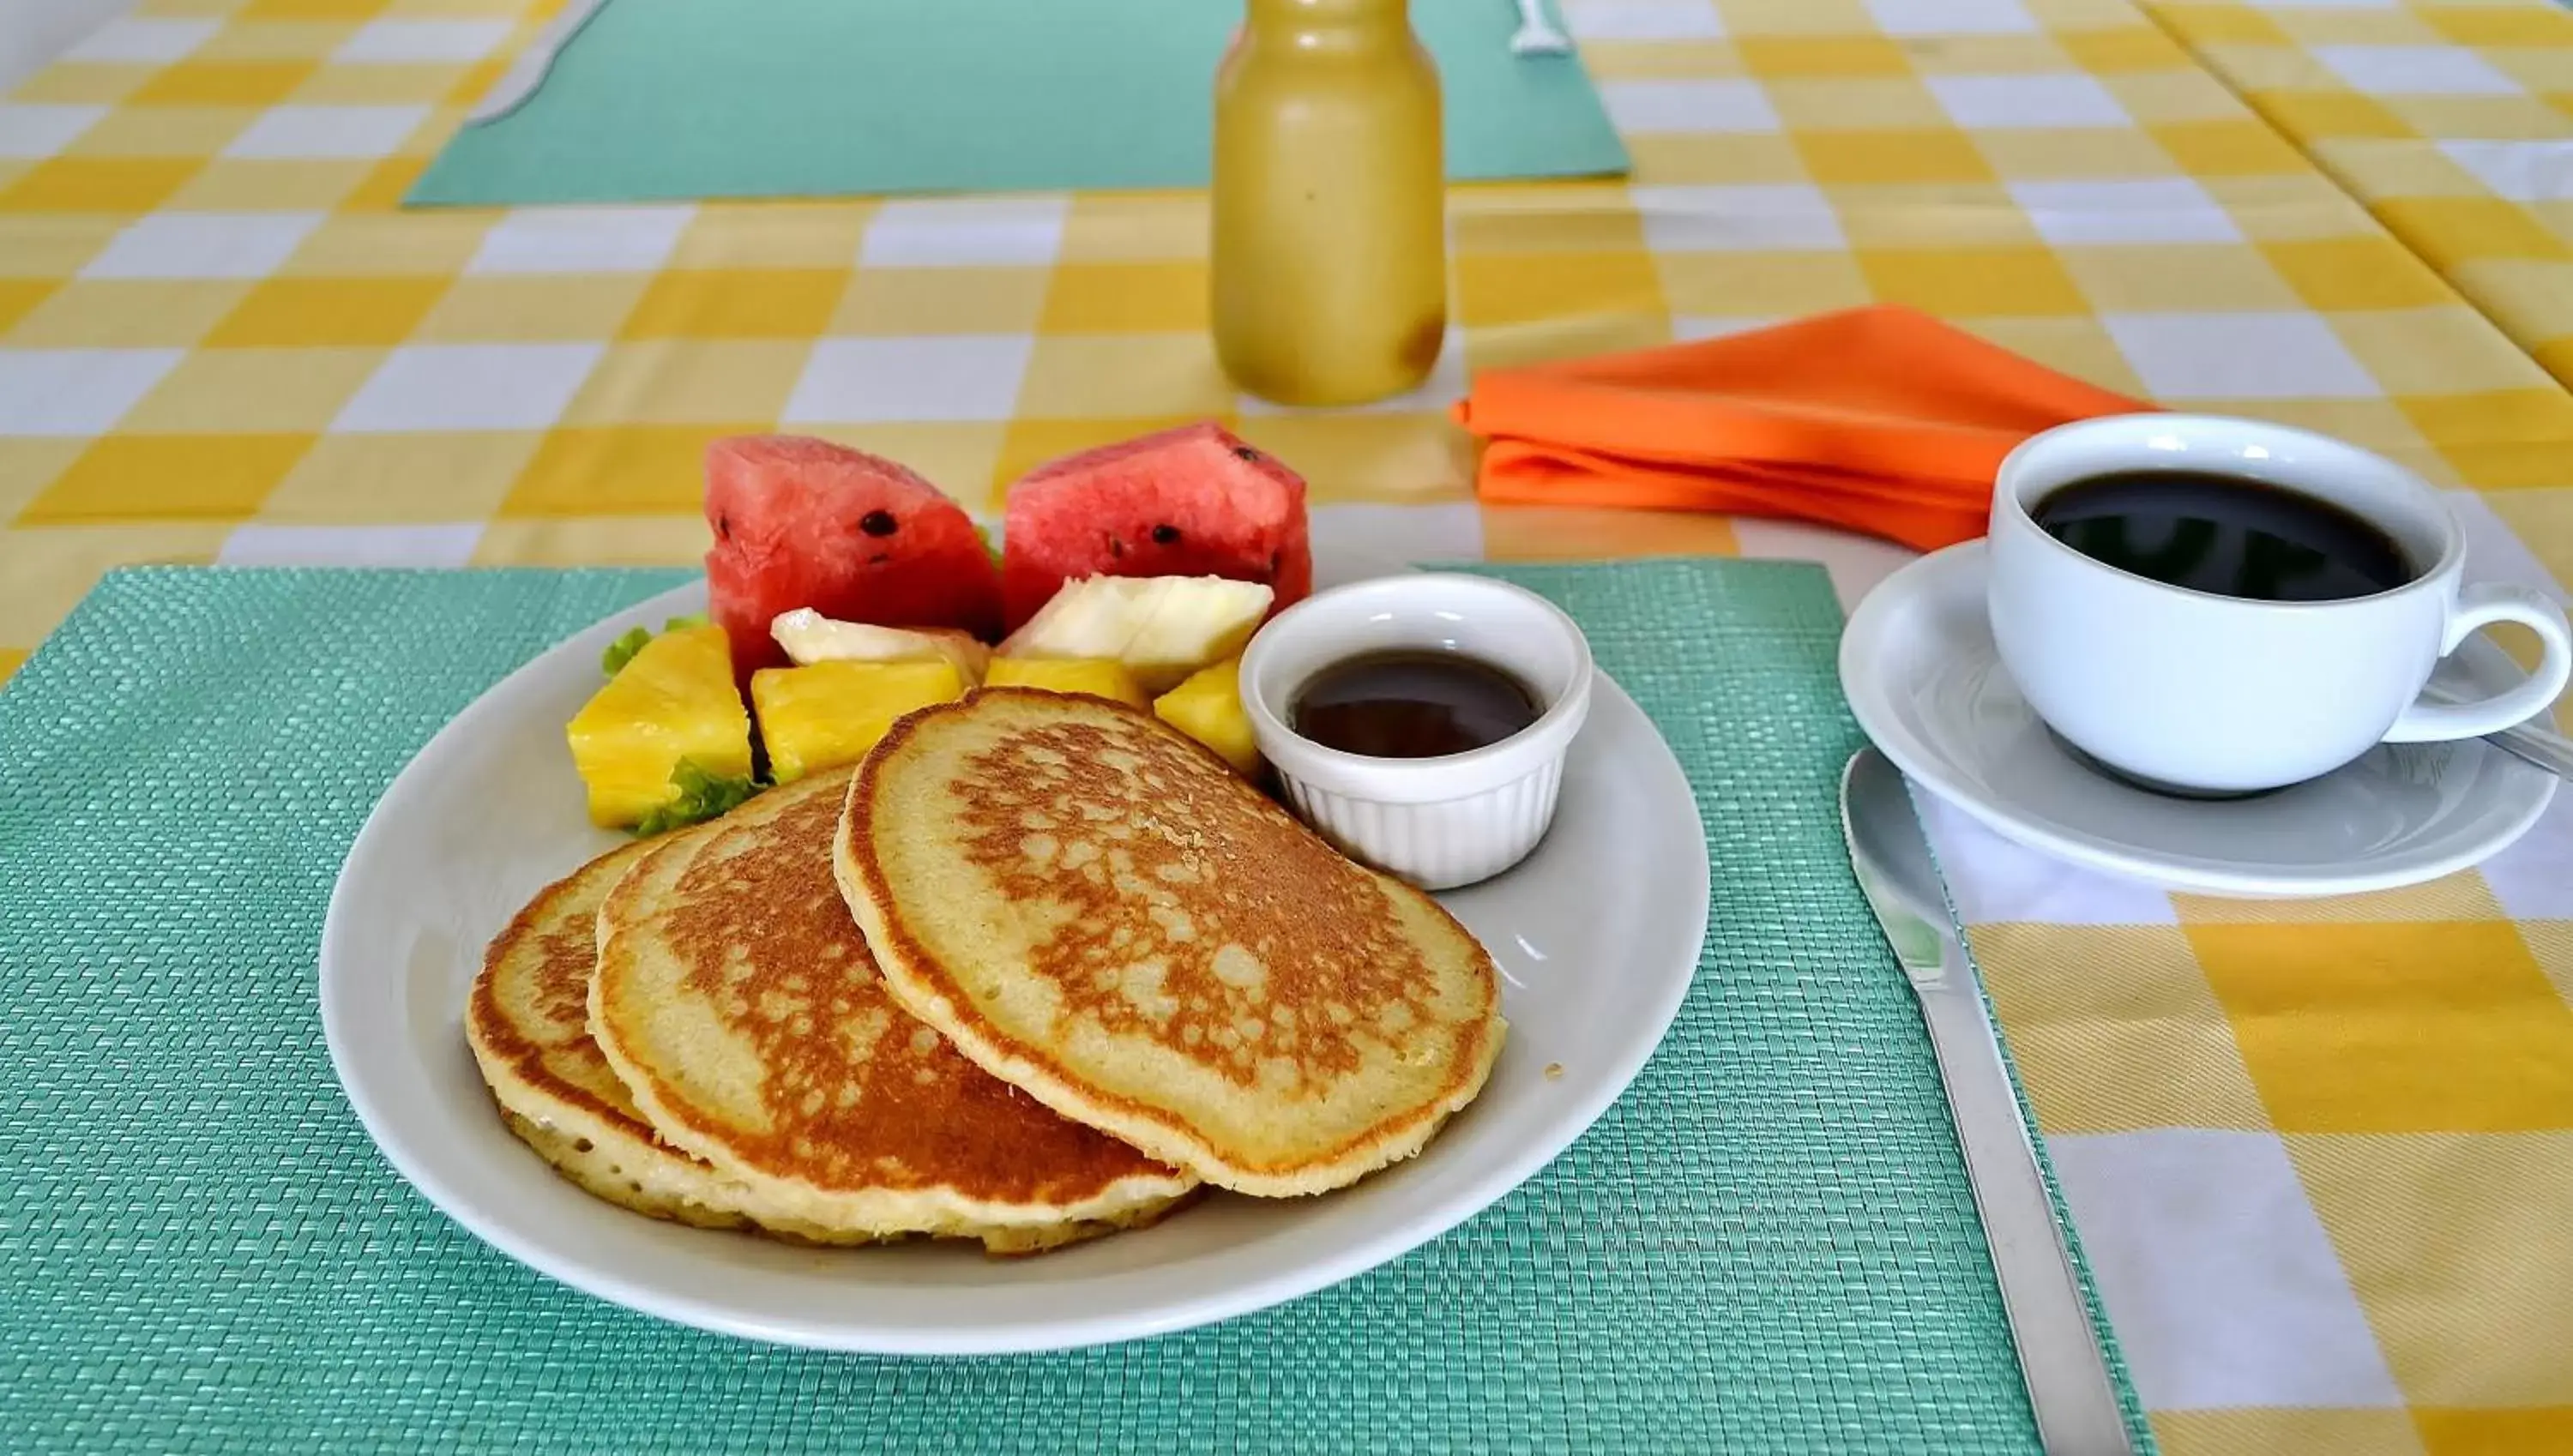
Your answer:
<point x="2221" y="694"/>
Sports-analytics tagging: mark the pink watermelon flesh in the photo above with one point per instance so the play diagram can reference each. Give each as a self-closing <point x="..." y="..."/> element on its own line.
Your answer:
<point x="803" y="522"/>
<point x="1191" y="501"/>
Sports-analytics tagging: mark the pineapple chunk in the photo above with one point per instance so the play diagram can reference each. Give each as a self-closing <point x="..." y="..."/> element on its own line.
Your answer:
<point x="831" y="713"/>
<point x="1208" y="707"/>
<point x="673" y="699"/>
<point x="1103" y="677"/>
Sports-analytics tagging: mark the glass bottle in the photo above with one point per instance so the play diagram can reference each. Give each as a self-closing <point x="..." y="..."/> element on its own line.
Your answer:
<point x="1329" y="194"/>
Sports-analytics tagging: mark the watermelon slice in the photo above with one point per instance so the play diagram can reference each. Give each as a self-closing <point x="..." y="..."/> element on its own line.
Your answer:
<point x="1191" y="501"/>
<point x="802" y="522"/>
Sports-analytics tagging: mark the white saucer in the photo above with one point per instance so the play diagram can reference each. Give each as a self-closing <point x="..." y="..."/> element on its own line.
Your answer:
<point x="1921" y="675"/>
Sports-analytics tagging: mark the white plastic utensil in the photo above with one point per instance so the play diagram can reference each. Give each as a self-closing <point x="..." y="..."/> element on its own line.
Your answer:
<point x="1536" y="34"/>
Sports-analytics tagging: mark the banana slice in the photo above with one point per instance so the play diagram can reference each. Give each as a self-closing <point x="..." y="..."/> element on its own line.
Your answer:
<point x="810" y="637"/>
<point x="1162" y="627"/>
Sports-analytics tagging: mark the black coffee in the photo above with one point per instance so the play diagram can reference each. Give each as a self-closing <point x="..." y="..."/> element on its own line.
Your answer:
<point x="2224" y="535"/>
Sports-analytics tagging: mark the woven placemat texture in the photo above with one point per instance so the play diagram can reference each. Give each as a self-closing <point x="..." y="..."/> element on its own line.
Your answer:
<point x="1768" y="1244"/>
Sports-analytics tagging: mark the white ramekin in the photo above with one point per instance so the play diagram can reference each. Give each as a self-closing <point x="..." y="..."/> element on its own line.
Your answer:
<point x="1436" y="821"/>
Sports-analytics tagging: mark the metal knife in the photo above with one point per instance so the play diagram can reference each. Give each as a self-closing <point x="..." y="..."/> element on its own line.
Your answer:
<point x="2059" y="1355"/>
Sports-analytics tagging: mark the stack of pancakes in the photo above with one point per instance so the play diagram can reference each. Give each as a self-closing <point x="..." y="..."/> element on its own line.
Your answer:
<point x="1038" y="970"/>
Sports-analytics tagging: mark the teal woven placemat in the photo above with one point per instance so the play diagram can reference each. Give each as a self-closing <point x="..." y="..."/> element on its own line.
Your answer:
<point x="688" y="99"/>
<point x="1766" y="1246"/>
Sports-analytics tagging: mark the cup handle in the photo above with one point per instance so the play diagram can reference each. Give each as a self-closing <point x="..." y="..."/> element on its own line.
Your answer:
<point x="2478" y="608"/>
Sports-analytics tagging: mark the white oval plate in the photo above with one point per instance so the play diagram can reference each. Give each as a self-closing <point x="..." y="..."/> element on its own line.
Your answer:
<point x="1927" y="684"/>
<point x="1596" y="934"/>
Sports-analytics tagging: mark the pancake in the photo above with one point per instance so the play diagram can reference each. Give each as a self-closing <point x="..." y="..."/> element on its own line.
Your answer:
<point x="737" y="1002"/>
<point x="1096" y="910"/>
<point x="527" y="1022"/>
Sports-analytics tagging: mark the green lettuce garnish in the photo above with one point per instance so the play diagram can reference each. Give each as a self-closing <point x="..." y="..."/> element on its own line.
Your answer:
<point x="702" y="796"/>
<point x="623" y="651"/>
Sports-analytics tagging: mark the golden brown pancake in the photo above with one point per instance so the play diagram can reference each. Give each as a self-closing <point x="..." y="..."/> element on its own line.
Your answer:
<point x="527" y="1022"/>
<point x="738" y="1002"/>
<point x="1095" y="909"/>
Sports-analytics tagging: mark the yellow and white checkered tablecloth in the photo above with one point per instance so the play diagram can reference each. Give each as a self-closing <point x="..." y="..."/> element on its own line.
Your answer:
<point x="2452" y="121"/>
<point x="2321" y="1154"/>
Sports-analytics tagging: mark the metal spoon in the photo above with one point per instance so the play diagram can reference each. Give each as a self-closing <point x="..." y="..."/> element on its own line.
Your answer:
<point x="1536" y="34"/>
<point x="2530" y="742"/>
<point x="528" y="71"/>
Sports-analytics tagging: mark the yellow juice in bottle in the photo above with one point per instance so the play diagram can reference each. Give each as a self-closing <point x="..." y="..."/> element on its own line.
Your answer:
<point x="1329" y="195"/>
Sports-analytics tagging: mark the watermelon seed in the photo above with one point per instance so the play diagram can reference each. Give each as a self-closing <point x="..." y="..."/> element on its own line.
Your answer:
<point x="1116" y="547"/>
<point x="1165" y="533"/>
<point x="1246" y="452"/>
<point x="877" y="523"/>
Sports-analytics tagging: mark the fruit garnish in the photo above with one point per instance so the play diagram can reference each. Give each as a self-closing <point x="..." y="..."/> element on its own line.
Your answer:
<point x="810" y="637"/>
<point x="1100" y="677"/>
<point x="623" y="651"/>
<point x="803" y="522"/>
<point x="1208" y="707"/>
<point x="672" y="699"/>
<point x="831" y="713"/>
<point x="1191" y="501"/>
<point x="1162" y="627"/>
<point x="702" y="796"/>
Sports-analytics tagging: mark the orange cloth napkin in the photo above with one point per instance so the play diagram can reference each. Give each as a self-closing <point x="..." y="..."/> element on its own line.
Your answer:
<point x="1879" y="419"/>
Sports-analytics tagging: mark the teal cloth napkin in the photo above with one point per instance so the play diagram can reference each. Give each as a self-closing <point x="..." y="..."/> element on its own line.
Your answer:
<point x="685" y="99"/>
<point x="1767" y="1244"/>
